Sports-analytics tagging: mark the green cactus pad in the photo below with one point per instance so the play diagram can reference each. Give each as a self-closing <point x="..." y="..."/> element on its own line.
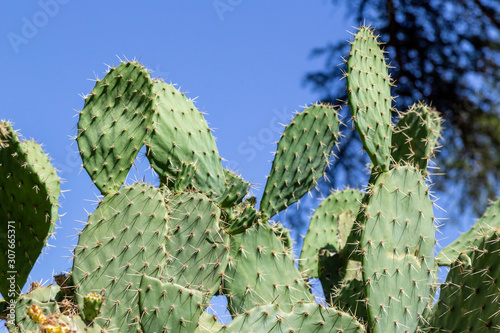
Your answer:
<point x="184" y="178"/>
<point x="469" y="299"/>
<point x="334" y="270"/>
<point x="350" y="297"/>
<point x="473" y="237"/>
<point x="301" y="158"/>
<point x="283" y="235"/>
<point x="324" y="228"/>
<point x="45" y="297"/>
<point x="198" y="248"/>
<point x="114" y="123"/>
<point x="208" y="323"/>
<point x="181" y="135"/>
<point x="396" y="247"/>
<point x="304" y="317"/>
<point x="236" y="189"/>
<point x="124" y="238"/>
<point x="29" y="192"/>
<point x="261" y="270"/>
<point x="168" y="307"/>
<point x="91" y="306"/>
<point x="242" y="221"/>
<point x="369" y="88"/>
<point x="416" y="135"/>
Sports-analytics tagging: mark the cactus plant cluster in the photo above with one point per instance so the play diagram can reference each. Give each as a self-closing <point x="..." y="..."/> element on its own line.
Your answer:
<point x="149" y="259"/>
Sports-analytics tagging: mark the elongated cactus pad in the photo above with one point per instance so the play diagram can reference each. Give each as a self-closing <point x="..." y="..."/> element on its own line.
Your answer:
<point x="114" y="123"/>
<point x="301" y="158"/>
<point x="261" y="270"/>
<point x="236" y="189"/>
<point x="324" y="228"/>
<point x="29" y="192"/>
<point x="396" y="247"/>
<point x="181" y="135"/>
<point x="473" y="237"/>
<point x="304" y="317"/>
<point x="197" y="247"/>
<point x="168" y="307"/>
<point x="124" y="238"/>
<point x="469" y="299"/>
<point x="416" y="136"/>
<point x="369" y="88"/>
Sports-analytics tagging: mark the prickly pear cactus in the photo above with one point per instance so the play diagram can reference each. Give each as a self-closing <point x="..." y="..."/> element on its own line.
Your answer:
<point x="29" y="193"/>
<point x="150" y="259"/>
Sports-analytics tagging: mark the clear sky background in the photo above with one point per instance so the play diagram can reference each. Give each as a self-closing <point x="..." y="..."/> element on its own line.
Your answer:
<point x="245" y="60"/>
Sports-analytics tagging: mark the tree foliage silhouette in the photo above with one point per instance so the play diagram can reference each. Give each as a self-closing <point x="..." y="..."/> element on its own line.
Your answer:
<point x="446" y="53"/>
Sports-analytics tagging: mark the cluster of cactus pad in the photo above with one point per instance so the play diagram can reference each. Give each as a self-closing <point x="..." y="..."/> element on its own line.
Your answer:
<point x="150" y="259"/>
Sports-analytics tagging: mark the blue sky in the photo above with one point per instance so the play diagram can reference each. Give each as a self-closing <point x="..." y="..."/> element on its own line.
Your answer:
<point x="246" y="60"/>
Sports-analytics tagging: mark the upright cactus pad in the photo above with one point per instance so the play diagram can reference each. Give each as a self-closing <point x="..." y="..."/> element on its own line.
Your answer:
<point x="396" y="247"/>
<point x="114" y="123"/>
<point x="324" y="228"/>
<point x="236" y="189"/>
<point x="470" y="297"/>
<point x="301" y="158"/>
<point x="416" y="136"/>
<point x="304" y="317"/>
<point x="197" y="247"/>
<point x="261" y="270"/>
<point x="29" y="193"/>
<point x="181" y="135"/>
<point x="486" y="225"/>
<point x="168" y="307"/>
<point x="123" y="239"/>
<point x="369" y="88"/>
